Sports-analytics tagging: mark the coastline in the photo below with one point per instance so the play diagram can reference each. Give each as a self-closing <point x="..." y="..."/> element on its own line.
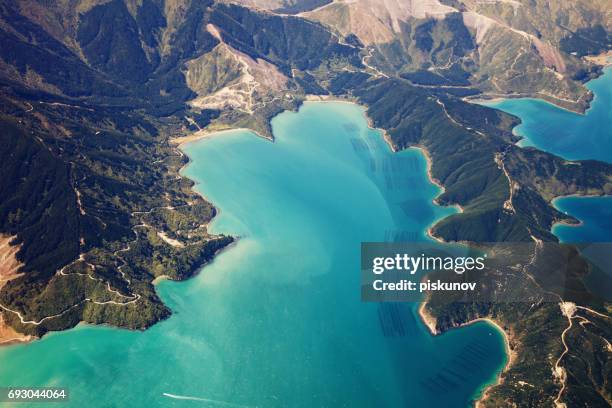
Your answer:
<point x="335" y="99"/>
<point x="206" y="133"/>
<point x="428" y="320"/>
<point x="438" y="184"/>
<point x="181" y="149"/>
<point x="604" y="59"/>
<point x="182" y="141"/>
<point x="394" y="149"/>
<point x="9" y="336"/>
<point x="568" y="223"/>
<point x="511" y="355"/>
<point x="485" y="98"/>
<point x="159" y="279"/>
<point x="430" y="323"/>
<point x="327" y="98"/>
<point x="435" y="180"/>
<point x="385" y="135"/>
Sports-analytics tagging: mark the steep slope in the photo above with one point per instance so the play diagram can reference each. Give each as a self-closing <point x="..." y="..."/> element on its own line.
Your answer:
<point x="91" y="191"/>
<point x="93" y="91"/>
<point x="282" y="6"/>
<point x="551" y="21"/>
<point x="505" y="194"/>
<point x="374" y="21"/>
<point x="492" y="46"/>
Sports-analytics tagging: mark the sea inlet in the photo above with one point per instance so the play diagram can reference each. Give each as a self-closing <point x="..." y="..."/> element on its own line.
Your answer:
<point x="277" y="320"/>
<point x="576" y="137"/>
<point x="573" y="137"/>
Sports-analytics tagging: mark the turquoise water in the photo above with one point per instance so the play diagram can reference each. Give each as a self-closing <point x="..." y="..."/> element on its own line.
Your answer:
<point x="595" y="214"/>
<point x="574" y="136"/>
<point x="565" y="133"/>
<point x="276" y="320"/>
<point x="592" y="236"/>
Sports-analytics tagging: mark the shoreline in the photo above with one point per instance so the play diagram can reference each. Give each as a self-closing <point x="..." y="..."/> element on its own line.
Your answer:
<point x="437" y="183"/>
<point x="428" y="160"/>
<point x="370" y="122"/>
<point x="567" y="223"/>
<point x="511" y="355"/>
<point x="180" y="141"/>
<point x="180" y="149"/>
<point x="434" y="180"/>
<point x="604" y="59"/>
<point x="428" y="320"/>
<point x="484" y="98"/>
<point x="159" y="279"/>
<point x="10" y="337"/>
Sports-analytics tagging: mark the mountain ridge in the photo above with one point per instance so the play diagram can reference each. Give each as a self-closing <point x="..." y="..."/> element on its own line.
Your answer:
<point x="95" y="107"/>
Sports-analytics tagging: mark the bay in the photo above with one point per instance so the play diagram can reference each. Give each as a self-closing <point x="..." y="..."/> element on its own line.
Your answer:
<point x="277" y="320"/>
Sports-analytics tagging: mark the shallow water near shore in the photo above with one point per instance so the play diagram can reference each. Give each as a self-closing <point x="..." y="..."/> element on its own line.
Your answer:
<point x="277" y="320"/>
<point x="595" y="214"/>
<point x="574" y="137"/>
<point x="564" y="133"/>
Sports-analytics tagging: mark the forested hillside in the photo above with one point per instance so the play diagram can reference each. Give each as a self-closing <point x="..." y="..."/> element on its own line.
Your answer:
<point x="94" y="92"/>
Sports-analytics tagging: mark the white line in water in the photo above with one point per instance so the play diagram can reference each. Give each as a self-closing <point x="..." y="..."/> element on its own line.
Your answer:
<point x="210" y="401"/>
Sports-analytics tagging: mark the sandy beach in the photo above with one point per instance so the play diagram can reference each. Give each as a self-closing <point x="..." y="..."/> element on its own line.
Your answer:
<point x="482" y="99"/>
<point x="428" y="319"/>
<point x="605" y="58"/>
<point x="492" y="98"/>
<point x="159" y="279"/>
<point x="326" y="98"/>
<point x="209" y="132"/>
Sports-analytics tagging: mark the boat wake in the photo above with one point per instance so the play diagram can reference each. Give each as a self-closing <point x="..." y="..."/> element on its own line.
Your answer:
<point x="207" y="400"/>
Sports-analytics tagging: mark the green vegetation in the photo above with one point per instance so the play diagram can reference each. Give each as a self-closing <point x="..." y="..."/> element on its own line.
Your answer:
<point x="91" y="186"/>
<point x="505" y="193"/>
<point x="91" y="182"/>
<point x="287" y="42"/>
<point x="588" y="40"/>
